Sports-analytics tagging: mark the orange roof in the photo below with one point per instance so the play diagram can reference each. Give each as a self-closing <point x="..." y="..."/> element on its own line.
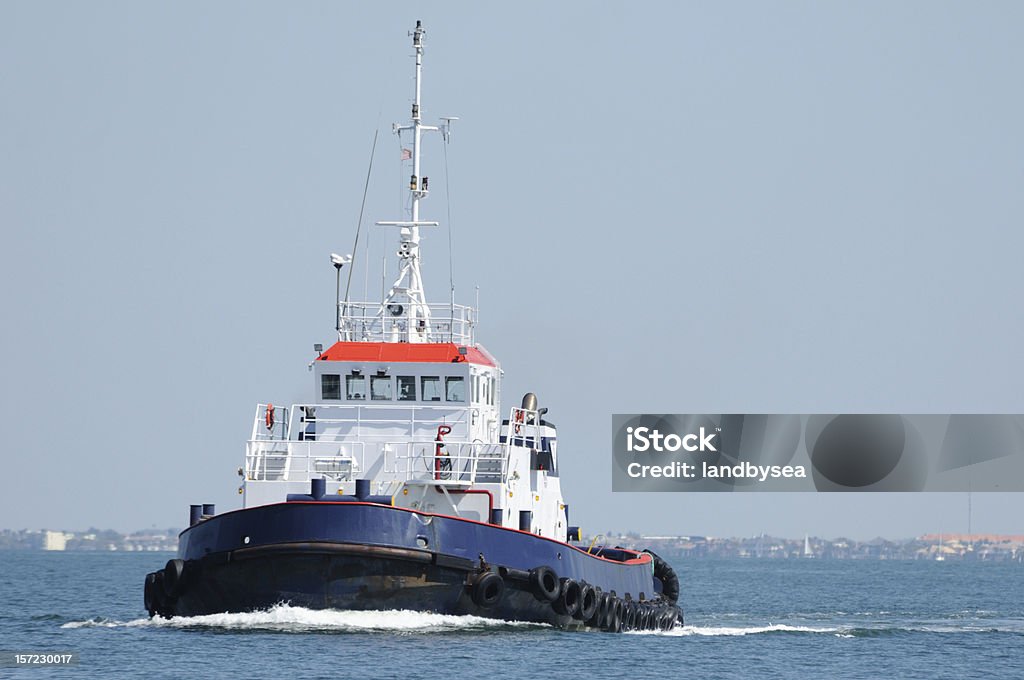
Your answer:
<point x="433" y="352"/>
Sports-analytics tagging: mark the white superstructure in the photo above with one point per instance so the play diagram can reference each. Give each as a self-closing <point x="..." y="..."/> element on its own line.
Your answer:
<point x="407" y="400"/>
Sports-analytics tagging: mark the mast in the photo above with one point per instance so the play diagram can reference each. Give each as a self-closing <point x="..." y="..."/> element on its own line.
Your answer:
<point x="404" y="311"/>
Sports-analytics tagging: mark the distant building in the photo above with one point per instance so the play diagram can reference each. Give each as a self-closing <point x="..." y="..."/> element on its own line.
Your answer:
<point x="55" y="540"/>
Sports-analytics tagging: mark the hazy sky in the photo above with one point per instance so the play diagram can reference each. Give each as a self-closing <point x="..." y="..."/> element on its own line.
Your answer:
<point x="669" y="207"/>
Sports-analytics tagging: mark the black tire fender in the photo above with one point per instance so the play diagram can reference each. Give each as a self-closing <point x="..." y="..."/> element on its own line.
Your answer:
<point x="544" y="584"/>
<point x="667" y="575"/>
<point x="588" y="602"/>
<point x="604" y="604"/>
<point x="613" y="622"/>
<point x="161" y="603"/>
<point x="629" y="613"/>
<point x="173" y="576"/>
<point x="670" y="618"/>
<point x="598" y="616"/>
<point x="644" y="617"/>
<point x="149" y="594"/>
<point x="568" y="601"/>
<point x="487" y="589"/>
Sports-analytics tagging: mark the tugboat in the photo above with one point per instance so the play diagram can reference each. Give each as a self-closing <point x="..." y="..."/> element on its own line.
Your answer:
<point x="401" y="486"/>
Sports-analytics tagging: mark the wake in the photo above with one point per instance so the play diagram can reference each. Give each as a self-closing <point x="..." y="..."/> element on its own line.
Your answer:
<point x="286" y="618"/>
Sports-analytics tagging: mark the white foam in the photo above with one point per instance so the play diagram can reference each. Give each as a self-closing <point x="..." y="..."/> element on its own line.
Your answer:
<point x="731" y="631"/>
<point x="284" y="617"/>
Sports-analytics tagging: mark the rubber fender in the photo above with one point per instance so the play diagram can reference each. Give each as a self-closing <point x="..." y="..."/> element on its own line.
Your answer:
<point x="544" y="584"/>
<point x="670" y="618"/>
<point x="629" y="616"/>
<point x="638" y="618"/>
<point x="613" y="622"/>
<point x="652" y="618"/>
<point x="667" y="619"/>
<point x="597" y="618"/>
<point x="487" y="589"/>
<point x="645" y="618"/>
<point x="160" y="600"/>
<point x="173" y="573"/>
<point x="608" y="619"/>
<point x="604" y="603"/>
<point x="667" y="575"/>
<point x="149" y="594"/>
<point x="568" y="601"/>
<point x="588" y="602"/>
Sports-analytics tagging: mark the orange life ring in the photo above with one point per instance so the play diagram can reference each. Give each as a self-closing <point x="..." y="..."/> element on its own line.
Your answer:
<point x="519" y="422"/>
<point x="269" y="417"/>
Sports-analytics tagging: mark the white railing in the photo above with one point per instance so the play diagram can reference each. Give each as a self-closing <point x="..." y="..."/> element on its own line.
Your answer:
<point x="293" y="460"/>
<point x="370" y="322"/>
<point x="523" y="424"/>
<point x="345" y="441"/>
<point x="333" y="422"/>
<point x="456" y="462"/>
<point x="420" y="460"/>
<point x="383" y="422"/>
<point x="271" y="423"/>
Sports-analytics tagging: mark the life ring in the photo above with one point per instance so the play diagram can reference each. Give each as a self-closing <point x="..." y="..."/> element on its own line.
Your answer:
<point x="269" y="417"/>
<point x="544" y="584"/>
<point x="519" y="422"/>
<point x="487" y="589"/>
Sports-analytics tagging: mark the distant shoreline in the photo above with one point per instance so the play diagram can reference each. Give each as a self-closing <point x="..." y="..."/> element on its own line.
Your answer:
<point x="938" y="547"/>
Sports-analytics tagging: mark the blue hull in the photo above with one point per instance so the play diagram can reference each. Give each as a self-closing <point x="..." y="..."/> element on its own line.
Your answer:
<point x="360" y="555"/>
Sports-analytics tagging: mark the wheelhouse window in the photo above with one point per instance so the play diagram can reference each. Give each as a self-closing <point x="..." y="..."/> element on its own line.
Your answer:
<point x="454" y="389"/>
<point x="330" y="386"/>
<point x="355" y="388"/>
<point x="380" y="388"/>
<point x="430" y="387"/>
<point x="406" y="388"/>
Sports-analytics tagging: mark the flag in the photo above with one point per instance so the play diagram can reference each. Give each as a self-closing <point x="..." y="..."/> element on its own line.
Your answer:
<point x="406" y="155"/>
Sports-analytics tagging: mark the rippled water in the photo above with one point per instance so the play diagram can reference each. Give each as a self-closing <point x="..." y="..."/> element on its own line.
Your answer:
<point x="744" y="618"/>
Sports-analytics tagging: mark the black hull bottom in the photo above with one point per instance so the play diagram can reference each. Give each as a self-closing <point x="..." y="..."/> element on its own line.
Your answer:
<point x="359" y="577"/>
<point x="371" y="556"/>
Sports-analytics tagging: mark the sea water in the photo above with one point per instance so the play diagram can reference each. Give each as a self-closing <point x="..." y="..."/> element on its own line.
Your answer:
<point x="745" y="618"/>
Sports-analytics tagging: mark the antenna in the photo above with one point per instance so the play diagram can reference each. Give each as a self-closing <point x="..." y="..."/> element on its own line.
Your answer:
<point x="412" y="323"/>
<point x="355" y="247"/>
